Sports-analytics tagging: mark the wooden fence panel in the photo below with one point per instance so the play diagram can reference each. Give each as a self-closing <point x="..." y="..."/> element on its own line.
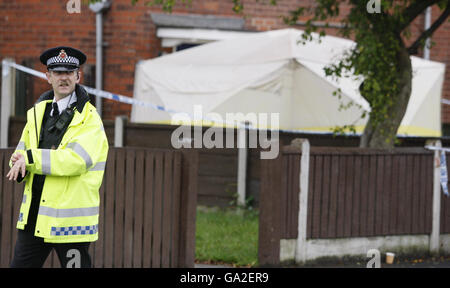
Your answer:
<point x="175" y="211"/>
<point x="157" y="209"/>
<point x="138" y="208"/>
<point x="166" y="206"/>
<point x="394" y="196"/>
<point x="7" y="228"/>
<point x="332" y="213"/>
<point x="292" y="196"/>
<point x="284" y="191"/>
<point x="360" y="193"/>
<point x="423" y="192"/>
<point x="364" y="199"/>
<point x="218" y="169"/>
<point x="356" y="200"/>
<point x="415" y="227"/>
<point x="147" y="210"/>
<point x="385" y="194"/>
<point x="109" y="195"/>
<point x="371" y="196"/>
<point x="119" y="207"/>
<point x="341" y="199"/>
<point x="288" y="210"/>
<point x="408" y="195"/>
<point x="188" y="198"/>
<point x="316" y="199"/>
<point x="270" y="212"/>
<point x="325" y="197"/>
<point x="378" y="216"/>
<point x="129" y="208"/>
<point x="309" y="222"/>
<point x="350" y="170"/>
<point x="352" y="192"/>
<point x="429" y="195"/>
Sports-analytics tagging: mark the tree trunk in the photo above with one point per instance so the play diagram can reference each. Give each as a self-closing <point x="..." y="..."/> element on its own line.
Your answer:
<point x="383" y="134"/>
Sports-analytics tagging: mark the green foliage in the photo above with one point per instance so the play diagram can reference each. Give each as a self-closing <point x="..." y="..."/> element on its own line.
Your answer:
<point x="166" y="5"/>
<point x="238" y="7"/>
<point x="227" y="236"/>
<point x="248" y="205"/>
<point x="249" y="200"/>
<point x="373" y="59"/>
<point x="376" y="58"/>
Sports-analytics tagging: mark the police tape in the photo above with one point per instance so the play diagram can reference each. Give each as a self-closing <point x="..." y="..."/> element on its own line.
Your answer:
<point x="436" y="148"/>
<point x="96" y="92"/>
<point x="116" y="97"/>
<point x="444" y="174"/>
<point x="131" y="101"/>
<point x="443" y="167"/>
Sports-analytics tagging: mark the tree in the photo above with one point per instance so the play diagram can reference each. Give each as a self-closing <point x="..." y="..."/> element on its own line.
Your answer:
<point x="381" y="57"/>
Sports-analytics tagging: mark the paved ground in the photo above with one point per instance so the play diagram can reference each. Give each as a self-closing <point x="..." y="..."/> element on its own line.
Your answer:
<point x="443" y="262"/>
<point x="407" y="262"/>
<point x="422" y="262"/>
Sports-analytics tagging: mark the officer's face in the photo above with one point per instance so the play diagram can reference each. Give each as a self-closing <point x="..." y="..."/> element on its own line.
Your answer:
<point x="63" y="82"/>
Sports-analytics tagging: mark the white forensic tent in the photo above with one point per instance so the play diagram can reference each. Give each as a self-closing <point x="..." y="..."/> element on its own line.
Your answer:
<point x="270" y="72"/>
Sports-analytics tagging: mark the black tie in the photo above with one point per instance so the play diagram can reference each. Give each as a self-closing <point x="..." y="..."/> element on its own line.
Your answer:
<point x="55" y="110"/>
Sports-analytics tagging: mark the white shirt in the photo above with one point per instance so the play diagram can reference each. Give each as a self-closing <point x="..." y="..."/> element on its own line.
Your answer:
<point x="64" y="103"/>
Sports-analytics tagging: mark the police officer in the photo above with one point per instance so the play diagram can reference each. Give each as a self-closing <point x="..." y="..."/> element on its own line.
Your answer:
<point x="61" y="156"/>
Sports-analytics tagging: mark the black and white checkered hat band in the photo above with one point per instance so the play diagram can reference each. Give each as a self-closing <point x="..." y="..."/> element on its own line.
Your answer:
<point x="66" y="60"/>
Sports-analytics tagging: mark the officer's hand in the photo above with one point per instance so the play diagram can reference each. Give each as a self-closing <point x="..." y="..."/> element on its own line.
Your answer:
<point x="19" y="166"/>
<point x="15" y="157"/>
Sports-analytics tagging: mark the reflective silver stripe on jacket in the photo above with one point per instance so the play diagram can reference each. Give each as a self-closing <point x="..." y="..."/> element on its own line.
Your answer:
<point x="99" y="166"/>
<point x="65" y="213"/>
<point x="77" y="148"/>
<point x="21" y="146"/>
<point x="46" y="164"/>
<point x="24" y="199"/>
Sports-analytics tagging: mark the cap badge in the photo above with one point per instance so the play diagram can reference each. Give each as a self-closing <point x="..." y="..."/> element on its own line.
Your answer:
<point x="62" y="54"/>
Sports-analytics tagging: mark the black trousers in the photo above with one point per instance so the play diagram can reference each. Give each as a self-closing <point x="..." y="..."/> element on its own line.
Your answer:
<point x="31" y="252"/>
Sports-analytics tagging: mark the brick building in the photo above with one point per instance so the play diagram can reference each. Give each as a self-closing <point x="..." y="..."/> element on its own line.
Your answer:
<point x="133" y="33"/>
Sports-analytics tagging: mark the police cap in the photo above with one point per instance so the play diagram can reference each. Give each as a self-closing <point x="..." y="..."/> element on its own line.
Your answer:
<point x="63" y="58"/>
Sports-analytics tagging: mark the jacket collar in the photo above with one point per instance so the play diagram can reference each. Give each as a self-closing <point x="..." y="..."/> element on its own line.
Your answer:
<point x="82" y="97"/>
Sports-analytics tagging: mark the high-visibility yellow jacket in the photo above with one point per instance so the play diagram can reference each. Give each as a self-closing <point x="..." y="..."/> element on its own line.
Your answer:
<point x="69" y="206"/>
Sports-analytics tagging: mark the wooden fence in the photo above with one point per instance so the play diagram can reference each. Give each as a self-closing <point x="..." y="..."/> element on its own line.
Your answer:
<point x="147" y="210"/>
<point x="217" y="174"/>
<point x="352" y="192"/>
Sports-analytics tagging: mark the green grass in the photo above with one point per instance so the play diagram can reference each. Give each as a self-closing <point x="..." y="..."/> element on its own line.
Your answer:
<point x="227" y="236"/>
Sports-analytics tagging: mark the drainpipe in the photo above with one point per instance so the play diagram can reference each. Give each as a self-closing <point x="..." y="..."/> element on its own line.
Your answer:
<point x="426" y="49"/>
<point x="98" y="8"/>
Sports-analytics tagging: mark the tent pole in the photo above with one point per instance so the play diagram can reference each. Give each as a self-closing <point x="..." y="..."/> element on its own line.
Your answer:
<point x="242" y="164"/>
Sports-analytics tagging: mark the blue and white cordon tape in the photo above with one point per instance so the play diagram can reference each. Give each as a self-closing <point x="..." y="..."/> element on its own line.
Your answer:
<point x="443" y="166"/>
<point x="115" y="97"/>
<point x="96" y="92"/>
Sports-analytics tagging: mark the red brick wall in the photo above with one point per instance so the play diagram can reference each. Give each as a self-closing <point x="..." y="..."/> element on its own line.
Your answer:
<point x="28" y="27"/>
<point x="441" y="52"/>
